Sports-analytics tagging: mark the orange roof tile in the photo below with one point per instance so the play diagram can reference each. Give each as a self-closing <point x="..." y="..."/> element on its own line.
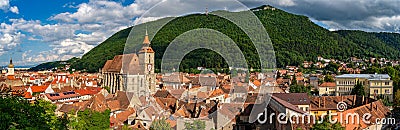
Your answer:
<point x="38" y="89"/>
<point x="328" y="84"/>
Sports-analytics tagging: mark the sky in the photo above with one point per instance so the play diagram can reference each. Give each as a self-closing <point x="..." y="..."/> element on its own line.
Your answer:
<point x="37" y="31"/>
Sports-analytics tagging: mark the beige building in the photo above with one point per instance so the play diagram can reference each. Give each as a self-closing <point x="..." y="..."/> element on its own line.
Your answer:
<point x="375" y="84"/>
<point x="327" y="89"/>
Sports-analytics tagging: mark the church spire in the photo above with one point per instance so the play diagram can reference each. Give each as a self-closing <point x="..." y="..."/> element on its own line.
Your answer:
<point x="146" y="38"/>
<point x="146" y="45"/>
<point x="11" y="65"/>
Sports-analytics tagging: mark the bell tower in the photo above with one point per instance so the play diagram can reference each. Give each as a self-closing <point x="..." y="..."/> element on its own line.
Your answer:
<point x="10" y="68"/>
<point x="146" y="62"/>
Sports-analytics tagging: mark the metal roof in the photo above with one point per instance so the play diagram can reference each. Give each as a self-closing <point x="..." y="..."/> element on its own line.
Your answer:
<point x="366" y="76"/>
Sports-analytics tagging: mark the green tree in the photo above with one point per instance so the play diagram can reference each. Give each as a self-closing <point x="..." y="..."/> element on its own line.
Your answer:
<point x="18" y="113"/>
<point x="326" y="125"/>
<point x="397" y="98"/>
<point x="358" y="89"/>
<point x="89" y="119"/>
<point x="328" y="78"/>
<point x="300" y="89"/>
<point x="160" y="124"/>
<point x="55" y="123"/>
<point x="196" y="125"/>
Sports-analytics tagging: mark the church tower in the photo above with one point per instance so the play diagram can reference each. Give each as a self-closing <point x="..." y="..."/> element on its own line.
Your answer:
<point x="146" y="62"/>
<point x="10" y="69"/>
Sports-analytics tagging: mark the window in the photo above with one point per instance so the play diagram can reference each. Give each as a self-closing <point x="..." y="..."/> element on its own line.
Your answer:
<point x="144" y="124"/>
<point x="375" y="91"/>
<point x="386" y="83"/>
<point x="387" y="91"/>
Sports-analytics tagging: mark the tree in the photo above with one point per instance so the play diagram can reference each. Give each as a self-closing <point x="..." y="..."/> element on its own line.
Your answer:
<point x="160" y="124"/>
<point x="196" y="125"/>
<point x="56" y="123"/>
<point x="328" y="78"/>
<point x="300" y="89"/>
<point x="326" y="125"/>
<point x="358" y="89"/>
<point x="89" y="119"/>
<point x="18" y="113"/>
<point x="397" y="98"/>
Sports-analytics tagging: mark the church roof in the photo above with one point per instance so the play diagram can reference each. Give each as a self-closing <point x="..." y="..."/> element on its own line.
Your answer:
<point x="128" y="63"/>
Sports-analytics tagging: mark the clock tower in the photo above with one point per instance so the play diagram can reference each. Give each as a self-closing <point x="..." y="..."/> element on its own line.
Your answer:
<point x="10" y="68"/>
<point x="146" y="62"/>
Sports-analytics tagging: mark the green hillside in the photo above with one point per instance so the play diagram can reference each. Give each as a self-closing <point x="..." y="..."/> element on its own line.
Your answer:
<point x="295" y="39"/>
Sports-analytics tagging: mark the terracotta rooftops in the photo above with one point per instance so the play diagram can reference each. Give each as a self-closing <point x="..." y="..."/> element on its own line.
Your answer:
<point x="294" y="98"/>
<point x="328" y="84"/>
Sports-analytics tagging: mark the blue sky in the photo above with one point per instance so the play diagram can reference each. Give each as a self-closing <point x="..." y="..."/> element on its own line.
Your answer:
<point x="37" y="31"/>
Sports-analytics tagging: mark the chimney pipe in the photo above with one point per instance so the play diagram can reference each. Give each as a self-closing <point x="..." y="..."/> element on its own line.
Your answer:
<point x="370" y="106"/>
<point x="363" y="99"/>
<point x="319" y="102"/>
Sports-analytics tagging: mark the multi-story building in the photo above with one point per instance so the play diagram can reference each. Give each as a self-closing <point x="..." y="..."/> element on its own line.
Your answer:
<point x="375" y="85"/>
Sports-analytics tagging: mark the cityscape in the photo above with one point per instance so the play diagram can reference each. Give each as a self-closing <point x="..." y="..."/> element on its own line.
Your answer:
<point x="162" y="75"/>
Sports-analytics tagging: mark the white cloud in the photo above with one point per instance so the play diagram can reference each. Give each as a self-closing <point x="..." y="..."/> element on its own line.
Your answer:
<point x="5" y="6"/>
<point x="9" y="40"/>
<point x="14" y="9"/>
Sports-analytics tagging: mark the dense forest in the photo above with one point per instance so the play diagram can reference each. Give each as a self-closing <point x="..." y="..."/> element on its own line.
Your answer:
<point x="295" y="38"/>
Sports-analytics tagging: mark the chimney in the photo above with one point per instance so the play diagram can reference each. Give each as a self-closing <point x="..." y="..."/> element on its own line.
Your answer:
<point x="362" y="99"/>
<point x="370" y="106"/>
<point x="354" y="100"/>
<point x="176" y="105"/>
<point x="319" y="102"/>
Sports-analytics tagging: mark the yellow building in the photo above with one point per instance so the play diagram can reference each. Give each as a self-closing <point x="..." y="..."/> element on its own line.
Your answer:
<point x="375" y="85"/>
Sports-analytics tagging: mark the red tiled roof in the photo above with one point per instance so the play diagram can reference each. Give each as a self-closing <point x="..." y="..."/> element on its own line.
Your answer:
<point x="38" y="89"/>
<point x="328" y="84"/>
<point x="257" y="83"/>
<point x="27" y="95"/>
<point x="216" y="92"/>
<point x="88" y="90"/>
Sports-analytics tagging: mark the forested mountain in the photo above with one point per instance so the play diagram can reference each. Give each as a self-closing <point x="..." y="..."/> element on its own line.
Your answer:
<point x="295" y="39"/>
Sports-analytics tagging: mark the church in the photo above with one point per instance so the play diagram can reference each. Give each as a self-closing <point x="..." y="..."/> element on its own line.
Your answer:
<point x="131" y="72"/>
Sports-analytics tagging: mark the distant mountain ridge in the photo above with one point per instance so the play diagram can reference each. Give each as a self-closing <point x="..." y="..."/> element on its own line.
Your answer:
<point x="295" y="39"/>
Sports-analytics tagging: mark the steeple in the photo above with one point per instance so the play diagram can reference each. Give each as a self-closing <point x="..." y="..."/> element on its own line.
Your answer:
<point x="11" y="65"/>
<point x="146" y="38"/>
<point x="146" y="45"/>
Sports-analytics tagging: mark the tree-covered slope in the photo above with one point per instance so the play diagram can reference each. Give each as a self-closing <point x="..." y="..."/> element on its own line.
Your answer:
<point x="295" y="38"/>
<point x="375" y="44"/>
